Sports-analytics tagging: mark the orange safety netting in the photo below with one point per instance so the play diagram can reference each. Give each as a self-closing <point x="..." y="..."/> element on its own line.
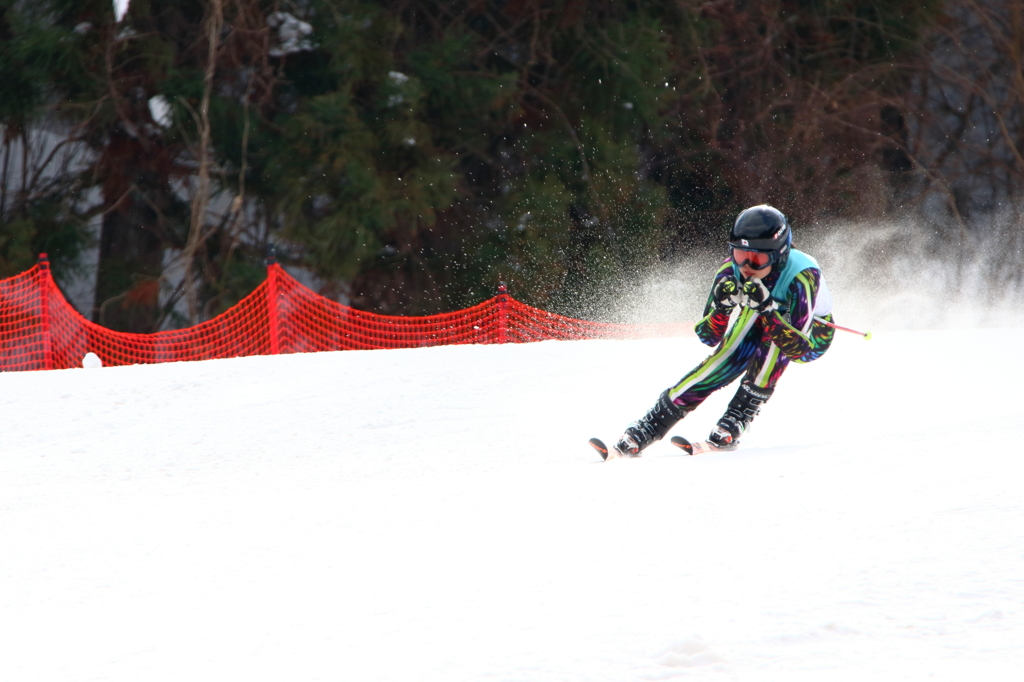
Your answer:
<point x="39" y="329"/>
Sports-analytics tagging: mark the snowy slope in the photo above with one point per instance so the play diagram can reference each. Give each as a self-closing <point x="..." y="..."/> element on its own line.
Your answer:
<point x="436" y="514"/>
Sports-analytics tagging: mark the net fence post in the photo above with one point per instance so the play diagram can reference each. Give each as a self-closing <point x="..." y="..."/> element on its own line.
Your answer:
<point x="44" y="309"/>
<point x="502" y="312"/>
<point x="272" y="325"/>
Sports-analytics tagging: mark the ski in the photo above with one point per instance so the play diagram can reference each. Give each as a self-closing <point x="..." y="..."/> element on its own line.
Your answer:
<point x="699" y="448"/>
<point x="601" y="448"/>
<point x="607" y="452"/>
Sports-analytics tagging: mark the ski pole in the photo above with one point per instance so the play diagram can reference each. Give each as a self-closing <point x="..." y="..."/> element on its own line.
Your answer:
<point x="866" y="335"/>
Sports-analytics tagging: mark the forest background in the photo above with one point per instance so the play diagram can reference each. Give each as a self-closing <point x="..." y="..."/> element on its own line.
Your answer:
<point x="410" y="154"/>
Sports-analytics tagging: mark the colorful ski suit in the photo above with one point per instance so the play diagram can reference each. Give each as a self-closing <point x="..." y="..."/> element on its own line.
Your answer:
<point x="761" y="346"/>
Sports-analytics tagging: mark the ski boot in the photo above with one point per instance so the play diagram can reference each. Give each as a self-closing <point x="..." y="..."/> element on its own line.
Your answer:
<point x="650" y="428"/>
<point x="743" y="407"/>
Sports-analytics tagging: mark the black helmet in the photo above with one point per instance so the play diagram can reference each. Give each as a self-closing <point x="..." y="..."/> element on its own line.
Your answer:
<point x="764" y="229"/>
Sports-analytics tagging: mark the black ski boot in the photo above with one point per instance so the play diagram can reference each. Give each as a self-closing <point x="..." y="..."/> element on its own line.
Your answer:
<point x="651" y="427"/>
<point x="742" y="409"/>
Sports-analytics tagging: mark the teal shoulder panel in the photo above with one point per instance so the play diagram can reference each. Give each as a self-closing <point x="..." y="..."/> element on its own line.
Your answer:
<point x="797" y="262"/>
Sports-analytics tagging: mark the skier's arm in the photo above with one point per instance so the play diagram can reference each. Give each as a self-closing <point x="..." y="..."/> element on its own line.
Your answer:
<point x="793" y="335"/>
<point x="712" y="326"/>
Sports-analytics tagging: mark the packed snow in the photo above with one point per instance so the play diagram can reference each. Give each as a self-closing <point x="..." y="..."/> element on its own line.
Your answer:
<point x="437" y="515"/>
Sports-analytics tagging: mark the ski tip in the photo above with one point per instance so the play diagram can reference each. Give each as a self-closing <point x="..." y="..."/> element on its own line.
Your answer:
<point x="683" y="444"/>
<point x="601" y="448"/>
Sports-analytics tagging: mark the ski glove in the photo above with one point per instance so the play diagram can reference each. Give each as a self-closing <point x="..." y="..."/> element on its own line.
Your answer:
<point x="726" y="294"/>
<point x="758" y="297"/>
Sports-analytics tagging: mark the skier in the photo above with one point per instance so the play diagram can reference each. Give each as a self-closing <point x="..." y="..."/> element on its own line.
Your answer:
<point x="767" y="308"/>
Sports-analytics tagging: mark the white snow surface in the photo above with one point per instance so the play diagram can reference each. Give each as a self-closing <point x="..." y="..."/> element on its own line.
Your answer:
<point x="436" y="514"/>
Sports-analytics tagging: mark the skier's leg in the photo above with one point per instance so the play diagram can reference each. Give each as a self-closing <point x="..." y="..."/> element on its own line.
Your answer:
<point x="651" y="427"/>
<point x="720" y="368"/>
<point x="757" y="387"/>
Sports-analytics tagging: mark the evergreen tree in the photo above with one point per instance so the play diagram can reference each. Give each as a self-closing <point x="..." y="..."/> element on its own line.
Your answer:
<point x="435" y="148"/>
<point x="107" y="81"/>
<point x="414" y="153"/>
<point x="41" y="195"/>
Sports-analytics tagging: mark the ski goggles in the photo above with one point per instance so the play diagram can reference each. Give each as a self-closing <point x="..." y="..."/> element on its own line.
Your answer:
<point x="758" y="260"/>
